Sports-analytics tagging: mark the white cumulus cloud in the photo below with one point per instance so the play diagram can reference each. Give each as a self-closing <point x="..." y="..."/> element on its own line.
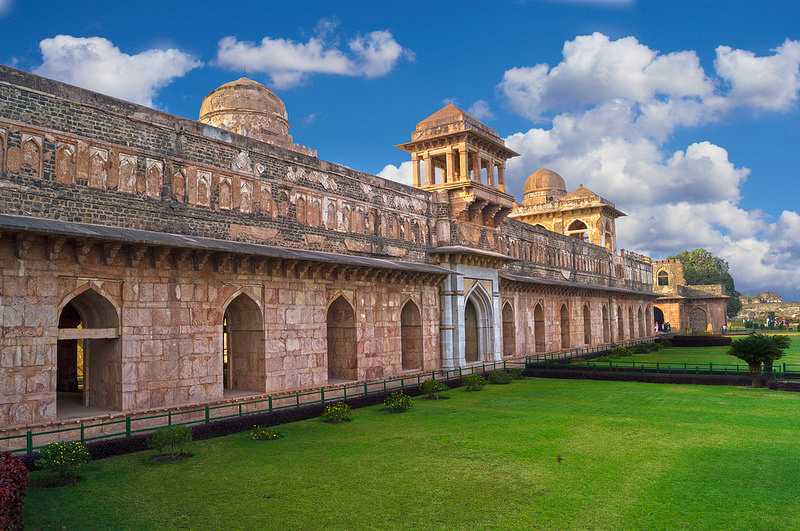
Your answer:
<point x="609" y="108"/>
<point x="95" y="63"/>
<point x="289" y="63"/>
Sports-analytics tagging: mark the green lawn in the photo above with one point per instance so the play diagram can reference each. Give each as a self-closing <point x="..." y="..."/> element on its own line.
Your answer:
<point x="632" y="455"/>
<point x="704" y="354"/>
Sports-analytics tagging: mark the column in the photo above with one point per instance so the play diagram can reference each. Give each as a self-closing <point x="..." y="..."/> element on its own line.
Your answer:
<point x="428" y="170"/>
<point x="490" y="171"/>
<point x="463" y="167"/>
<point x="449" y="175"/>
<point x="476" y="166"/>
<point x="501" y="176"/>
<point x="415" y="170"/>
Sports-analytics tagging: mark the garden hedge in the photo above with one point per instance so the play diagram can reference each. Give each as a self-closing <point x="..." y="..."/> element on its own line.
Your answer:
<point x="13" y="485"/>
<point x="700" y="341"/>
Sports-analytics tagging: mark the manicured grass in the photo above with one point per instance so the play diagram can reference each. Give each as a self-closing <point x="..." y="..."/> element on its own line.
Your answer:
<point x="536" y="453"/>
<point x="704" y="355"/>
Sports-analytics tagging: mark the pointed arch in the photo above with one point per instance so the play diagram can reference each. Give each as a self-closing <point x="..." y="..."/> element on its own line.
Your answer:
<point x="640" y="316"/>
<point x="606" y="327"/>
<point x="478" y="325"/>
<point x="587" y="325"/>
<point x="411" y="336"/>
<point x="509" y="331"/>
<point x="243" y="354"/>
<point x="631" y="323"/>
<point x="342" y="354"/>
<point x="620" y="324"/>
<point x="540" y="343"/>
<point x="88" y="353"/>
<point x="698" y="320"/>
<point x="564" y="322"/>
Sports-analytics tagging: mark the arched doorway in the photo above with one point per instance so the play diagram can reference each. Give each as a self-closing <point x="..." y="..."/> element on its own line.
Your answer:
<point x="578" y="229"/>
<point x="509" y="339"/>
<point x="658" y="316"/>
<point x="342" y="357"/>
<point x="564" y="321"/>
<point x="243" y="353"/>
<point x="478" y="326"/>
<point x="587" y="325"/>
<point x="642" y="330"/>
<point x="606" y="327"/>
<point x="620" y="325"/>
<point x="648" y="316"/>
<point x="88" y="356"/>
<point x="538" y="328"/>
<point x="631" y="323"/>
<point x="698" y="321"/>
<point x="411" y="337"/>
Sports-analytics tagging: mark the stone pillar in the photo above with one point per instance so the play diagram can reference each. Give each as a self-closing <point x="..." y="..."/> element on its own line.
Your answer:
<point x="501" y="176"/>
<point x="451" y="326"/>
<point x="415" y="170"/>
<point x="463" y="166"/>
<point x="476" y="166"/>
<point x="497" y="344"/>
<point x="490" y="172"/>
<point x="428" y="170"/>
<point x="449" y="175"/>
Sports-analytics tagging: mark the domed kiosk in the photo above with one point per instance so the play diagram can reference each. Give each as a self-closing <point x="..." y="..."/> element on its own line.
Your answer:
<point x="543" y="186"/>
<point x="250" y="109"/>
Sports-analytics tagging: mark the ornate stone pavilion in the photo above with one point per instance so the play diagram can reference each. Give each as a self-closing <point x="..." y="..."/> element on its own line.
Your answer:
<point x="149" y="261"/>
<point x="691" y="309"/>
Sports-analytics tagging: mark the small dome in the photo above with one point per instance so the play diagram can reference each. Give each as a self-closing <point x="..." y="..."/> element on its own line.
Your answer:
<point x="544" y="180"/>
<point x="248" y="108"/>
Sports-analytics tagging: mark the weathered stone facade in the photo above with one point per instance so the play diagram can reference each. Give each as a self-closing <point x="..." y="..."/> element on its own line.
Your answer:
<point x="192" y="264"/>
<point x="688" y="309"/>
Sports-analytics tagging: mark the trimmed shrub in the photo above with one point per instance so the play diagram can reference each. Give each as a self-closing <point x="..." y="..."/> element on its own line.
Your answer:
<point x="640" y="348"/>
<point x="700" y="341"/>
<point x="264" y="433"/>
<point x="620" y="352"/>
<point x="13" y="485"/>
<point x="499" y="377"/>
<point x="63" y="459"/>
<point x="474" y="382"/>
<point x="432" y="388"/>
<point x="398" y="402"/>
<point x="170" y="441"/>
<point x="337" y="412"/>
<point x="516" y="374"/>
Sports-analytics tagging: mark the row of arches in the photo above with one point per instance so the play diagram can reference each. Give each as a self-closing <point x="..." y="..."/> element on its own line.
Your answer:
<point x="88" y="366"/>
<point x="638" y="323"/>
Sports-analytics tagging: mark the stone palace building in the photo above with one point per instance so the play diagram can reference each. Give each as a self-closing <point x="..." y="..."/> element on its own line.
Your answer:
<point x="150" y="261"/>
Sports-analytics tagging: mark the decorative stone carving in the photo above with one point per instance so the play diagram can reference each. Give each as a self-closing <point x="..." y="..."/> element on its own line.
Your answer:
<point x="328" y="182"/>
<point x="155" y="172"/>
<point x="65" y="163"/>
<point x="300" y="210"/>
<point x="265" y="204"/>
<point x="294" y="174"/>
<point x="32" y="154"/>
<point x="241" y="162"/>
<point x="260" y="168"/>
<point x="246" y="197"/>
<point x="98" y="167"/>
<point x="127" y="172"/>
<point x="225" y="193"/>
<point x="204" y="188"/>
<point x="367" y="189"/>
<point x="179" y="186"/>
<point x="283" y="204"/>
<point x="330" y="219"/>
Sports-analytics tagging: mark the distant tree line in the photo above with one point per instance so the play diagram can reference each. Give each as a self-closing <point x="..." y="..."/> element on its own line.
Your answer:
<point x="702" y="267"/>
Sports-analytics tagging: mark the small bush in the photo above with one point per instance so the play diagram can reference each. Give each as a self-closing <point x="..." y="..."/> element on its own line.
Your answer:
<point x="398" y="402"/>
<point x="474" y="382"/>
<point x="337" y="412"/>
<point x="516" y="374"/>
<point x="432" y="388"/>
<point x="620" y="352"/>
<point x="64" y="459"/>
<point x="263" y="433"/>
<point x="498" y="377"/>
<point x="13" y="485"/>
<point x="170" y="441"/>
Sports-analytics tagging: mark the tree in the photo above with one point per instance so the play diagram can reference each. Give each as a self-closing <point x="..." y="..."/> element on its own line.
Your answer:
<point x="702" y="267"/>
<point x="759" y="351"/>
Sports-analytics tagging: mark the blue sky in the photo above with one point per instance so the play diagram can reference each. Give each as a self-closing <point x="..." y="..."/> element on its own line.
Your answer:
<point x="357" y="76"/>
